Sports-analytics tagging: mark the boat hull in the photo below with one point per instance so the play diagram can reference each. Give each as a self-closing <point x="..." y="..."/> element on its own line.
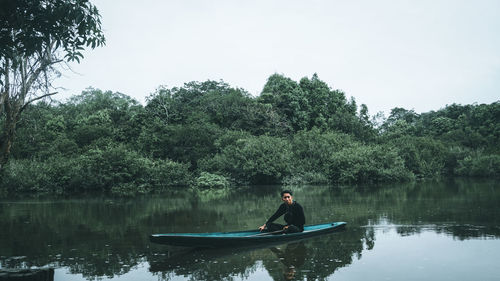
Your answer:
<point x="242" y="238"/>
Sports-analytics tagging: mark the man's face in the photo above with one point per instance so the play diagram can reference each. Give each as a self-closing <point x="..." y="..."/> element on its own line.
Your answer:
<point x="287" y="198"/>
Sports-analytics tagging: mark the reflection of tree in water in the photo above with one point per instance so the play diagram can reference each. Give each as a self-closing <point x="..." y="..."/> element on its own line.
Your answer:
<point x="311" y="259"/>
<point x="318" y="258"/>
<point x="461" y="208"/>
<point x="108" y="237"/>
<point x="96" y="237"/>
<point x="206" y="264"/>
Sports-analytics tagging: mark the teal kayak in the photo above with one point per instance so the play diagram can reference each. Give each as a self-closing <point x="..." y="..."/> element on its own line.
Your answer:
<point x="242" y="238"/>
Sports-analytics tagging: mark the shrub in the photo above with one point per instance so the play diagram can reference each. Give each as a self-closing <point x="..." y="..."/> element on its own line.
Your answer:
<point x="208" y="180"/>
<point x="423" y="156"/>
<point x="312" y="151"/>
<point x="306" y="178"/>
<point x="115" y="170"/>
<point x="24" y="176"/>
<point x="479" y="165"/>
<point x="367" y="163"/>
<point x="254" y="160"/>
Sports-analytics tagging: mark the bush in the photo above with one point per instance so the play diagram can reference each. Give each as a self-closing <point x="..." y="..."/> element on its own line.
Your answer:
<point x="207" y="180"/>
<point x="454" y="154"/>
<point x="423" y="156"/>
<point x="367" y="163"/>
<point x="181" y="143"/>
<point x="479" y="165"/>
<point x="312" y="150"/>
<point x="113" y="170"/>
<point x="112" y="167"/>
<point x="306" y="178"/>
<point x="128" y="189"/>
<point x="254" y="160"/>
<point x="24" y="176"/>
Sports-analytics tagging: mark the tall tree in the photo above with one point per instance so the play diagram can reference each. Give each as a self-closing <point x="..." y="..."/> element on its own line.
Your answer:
<point x="35" y="37"/>
<point x="289" y="101"/>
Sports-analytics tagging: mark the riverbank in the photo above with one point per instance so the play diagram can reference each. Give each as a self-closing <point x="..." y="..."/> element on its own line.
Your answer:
<point x="212" y="135"/>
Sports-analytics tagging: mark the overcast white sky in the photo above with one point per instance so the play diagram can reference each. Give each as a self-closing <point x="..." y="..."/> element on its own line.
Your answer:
<point x="419" y="54"/>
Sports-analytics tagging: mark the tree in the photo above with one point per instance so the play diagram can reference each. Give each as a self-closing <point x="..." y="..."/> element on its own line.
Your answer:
<point x="35" y="37"/>
<point x="400" y="114"/>
<point x="288" y="99"/>
<point x="212" y="102"/>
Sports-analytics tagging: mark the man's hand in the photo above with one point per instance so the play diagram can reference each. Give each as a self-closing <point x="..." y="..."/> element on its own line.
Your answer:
<point x="286" y="227"/>
<point x="261" y="228"/>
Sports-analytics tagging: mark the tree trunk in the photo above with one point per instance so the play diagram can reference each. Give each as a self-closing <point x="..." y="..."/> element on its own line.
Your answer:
<point x="7" y="138"/>
<point x="15" y="99"/>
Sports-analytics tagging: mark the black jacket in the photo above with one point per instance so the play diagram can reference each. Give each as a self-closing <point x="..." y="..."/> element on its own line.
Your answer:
<point x="294" y="214"/>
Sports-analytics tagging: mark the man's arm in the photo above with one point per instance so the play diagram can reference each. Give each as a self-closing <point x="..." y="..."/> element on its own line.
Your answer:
<point x="281" y="211"/>
<point x="301" y="217"/>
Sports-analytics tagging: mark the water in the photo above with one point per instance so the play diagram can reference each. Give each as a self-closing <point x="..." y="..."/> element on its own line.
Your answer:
<point x="447" y="230"/>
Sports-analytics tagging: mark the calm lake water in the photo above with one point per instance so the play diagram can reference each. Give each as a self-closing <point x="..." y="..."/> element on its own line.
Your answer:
<point x="446" y="230"/>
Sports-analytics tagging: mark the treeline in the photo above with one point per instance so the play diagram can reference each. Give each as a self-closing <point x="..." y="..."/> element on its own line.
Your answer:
<point x="210" y="134"/>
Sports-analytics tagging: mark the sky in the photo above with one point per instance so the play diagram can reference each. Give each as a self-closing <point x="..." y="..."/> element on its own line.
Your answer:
<point x="420" y="55"/>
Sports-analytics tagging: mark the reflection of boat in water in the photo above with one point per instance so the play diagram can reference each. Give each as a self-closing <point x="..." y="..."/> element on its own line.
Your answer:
<point x="184" y="258"/>
<point x="192" y="257"/>
<point x="242" y="238"/>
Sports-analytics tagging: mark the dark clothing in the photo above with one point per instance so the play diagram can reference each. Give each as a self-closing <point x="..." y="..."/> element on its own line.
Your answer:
<point x="294" y="216"/>
<point x="271" y="227"/>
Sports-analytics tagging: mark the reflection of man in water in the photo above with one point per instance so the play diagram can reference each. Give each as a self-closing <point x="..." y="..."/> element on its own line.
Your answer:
<point x="292" y="257"/>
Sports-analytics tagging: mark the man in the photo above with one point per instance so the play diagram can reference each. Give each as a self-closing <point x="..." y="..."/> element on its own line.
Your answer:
<point x="294" y="216"/>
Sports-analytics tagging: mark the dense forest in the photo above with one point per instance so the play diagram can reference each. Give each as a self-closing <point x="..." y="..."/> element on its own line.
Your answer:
<point x="209" y="134"/>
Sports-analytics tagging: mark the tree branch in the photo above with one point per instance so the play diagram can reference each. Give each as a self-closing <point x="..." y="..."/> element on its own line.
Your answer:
<point x="6" y="89"/>
<point x="35" y="99"/>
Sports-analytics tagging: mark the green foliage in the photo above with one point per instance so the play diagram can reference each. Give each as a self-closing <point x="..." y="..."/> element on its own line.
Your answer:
<point x="423" y="156"/>
<point x="111" y="170"/>
<point x="212" y="102"/>
<point x="312" y="150"/>
<point x="208" y="180"/>
<point x="95" y="114"/>
<point x="34" y="35"/>
<point x="289" y="100"/>
<point x="112" y="166"/>
<point x="312" y="104"/>
<point x="254" y="160"/>
<point x="447" y="141"/>
<point x="294" y="133"/>
<point x="362" y="163"/>
<point x="181" y="143"/>
<point x="472" y="126"/>
<point x="89" y="120"/>
<point x="305" y="177"/>
<point x="397" y="129"/>
<point x="19" y="176"/>
<point x="454" y="154"/>
<point x="324" y="103"/>
<point x="479" y="165"/>
<point x="29" y="27"/>
<point x="400" y="114"/>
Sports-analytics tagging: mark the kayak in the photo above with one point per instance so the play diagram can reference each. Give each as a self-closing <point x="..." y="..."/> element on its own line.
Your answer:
<point x="242" y="238"/>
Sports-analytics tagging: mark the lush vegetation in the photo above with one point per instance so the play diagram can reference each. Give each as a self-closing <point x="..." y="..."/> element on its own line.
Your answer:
<point x="35" y="38"/>
<point x="211" y="134"/>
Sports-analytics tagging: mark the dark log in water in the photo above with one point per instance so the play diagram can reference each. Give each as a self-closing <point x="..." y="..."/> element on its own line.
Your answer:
<point x="43" y="274"/>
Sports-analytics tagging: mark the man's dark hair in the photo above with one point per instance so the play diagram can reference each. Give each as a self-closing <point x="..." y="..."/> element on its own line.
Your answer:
<point x="286" y="191"/>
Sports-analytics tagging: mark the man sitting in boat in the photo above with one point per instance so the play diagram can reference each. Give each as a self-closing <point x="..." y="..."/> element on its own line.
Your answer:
<point x="294" y="216"/>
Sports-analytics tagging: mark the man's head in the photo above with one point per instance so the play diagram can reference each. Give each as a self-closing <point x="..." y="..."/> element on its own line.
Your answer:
<point x="286" y="196"/>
